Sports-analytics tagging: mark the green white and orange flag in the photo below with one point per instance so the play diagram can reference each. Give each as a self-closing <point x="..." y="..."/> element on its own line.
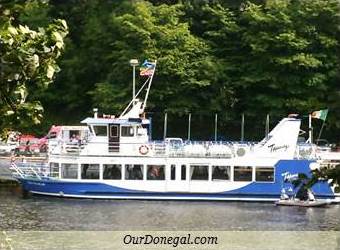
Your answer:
<point x="321" y="114"/>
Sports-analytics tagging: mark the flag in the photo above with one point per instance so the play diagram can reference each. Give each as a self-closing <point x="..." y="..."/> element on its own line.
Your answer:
<point x="321" y="114"/>
<point x="147" y="68"/>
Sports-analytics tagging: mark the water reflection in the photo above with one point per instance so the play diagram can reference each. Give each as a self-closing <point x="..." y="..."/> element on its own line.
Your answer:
<point x="43" y="213"/>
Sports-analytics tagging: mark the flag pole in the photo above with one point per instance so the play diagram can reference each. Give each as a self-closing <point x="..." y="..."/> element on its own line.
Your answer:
<point x="165" y="125"/>
<point x="150" y="82"/>
<point x="131" y="102"/>
<point x="242" y="127"/>
<point x="323" y="124"/>
<point x="310" y="139"/>
<point x="267" y="126"/>
<point x="215" y="126"/>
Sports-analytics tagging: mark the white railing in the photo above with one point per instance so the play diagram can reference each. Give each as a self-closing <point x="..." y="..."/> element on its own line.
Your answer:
<point x="305" y="151"/>
<point x="24" y="170"/>
<point x="219" y="149"/>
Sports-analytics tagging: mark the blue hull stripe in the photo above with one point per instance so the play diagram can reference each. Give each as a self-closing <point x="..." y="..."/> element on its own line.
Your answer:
<point x="255" y="190"/>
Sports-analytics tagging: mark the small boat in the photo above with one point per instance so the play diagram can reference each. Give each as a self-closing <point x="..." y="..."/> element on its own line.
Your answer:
<point x="300" y="203"/>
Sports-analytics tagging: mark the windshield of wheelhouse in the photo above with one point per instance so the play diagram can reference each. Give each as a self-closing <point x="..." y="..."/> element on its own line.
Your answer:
<point x="100" y="130"/>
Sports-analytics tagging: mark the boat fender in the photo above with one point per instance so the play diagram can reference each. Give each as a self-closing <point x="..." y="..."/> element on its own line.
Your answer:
<point x="143" y="150"/>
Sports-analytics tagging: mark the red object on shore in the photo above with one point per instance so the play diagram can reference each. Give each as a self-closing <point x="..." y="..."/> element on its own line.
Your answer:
<point x="31" y="144"/>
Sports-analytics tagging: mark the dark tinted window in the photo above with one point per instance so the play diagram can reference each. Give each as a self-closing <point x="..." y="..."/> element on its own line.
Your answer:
<point x="112" y="172"/>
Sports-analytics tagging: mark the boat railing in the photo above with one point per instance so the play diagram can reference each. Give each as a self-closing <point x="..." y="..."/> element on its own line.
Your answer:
<point x="24" y="170"/>
<point x="306" y="151"/>
<point x="219" y="149"/>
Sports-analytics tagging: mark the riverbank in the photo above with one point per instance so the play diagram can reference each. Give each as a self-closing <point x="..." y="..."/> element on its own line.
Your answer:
<point x="8" y="183"/>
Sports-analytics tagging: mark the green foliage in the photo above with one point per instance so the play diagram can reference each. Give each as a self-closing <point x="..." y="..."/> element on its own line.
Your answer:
<point x="229" y="57"/>
<point x="27" y="63"/>
<point x="286" y="58"/>
<point x="158" y="32"/>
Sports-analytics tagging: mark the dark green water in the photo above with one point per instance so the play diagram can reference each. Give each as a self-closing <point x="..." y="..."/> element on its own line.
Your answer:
<point x="45" y="213"/>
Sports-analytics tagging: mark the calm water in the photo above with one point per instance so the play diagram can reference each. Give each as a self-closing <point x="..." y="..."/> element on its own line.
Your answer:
<point x="44" y="213"/>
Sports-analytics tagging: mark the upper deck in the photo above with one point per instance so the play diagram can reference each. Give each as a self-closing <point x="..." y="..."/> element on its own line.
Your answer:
<point x="131" y="137"/>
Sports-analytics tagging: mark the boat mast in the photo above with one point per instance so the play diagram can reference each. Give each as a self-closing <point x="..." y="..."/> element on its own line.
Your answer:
<point x="133" y="101"/>
<point x="149" y="86"/>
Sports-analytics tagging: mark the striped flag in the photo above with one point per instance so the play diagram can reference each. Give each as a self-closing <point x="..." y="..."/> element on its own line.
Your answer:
<point x="147" y="68"/>
<point x="320" y="114"/>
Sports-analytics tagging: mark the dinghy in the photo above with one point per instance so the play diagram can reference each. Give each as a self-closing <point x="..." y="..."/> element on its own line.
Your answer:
<point x="299" y="203"/>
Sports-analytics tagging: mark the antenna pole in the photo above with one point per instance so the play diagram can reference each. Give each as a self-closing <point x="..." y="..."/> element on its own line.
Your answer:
<point x="242" y="127"/>
<point x="165" y="125"/>
<point x="267" y="126"/>
<point x="189" y="127"/>
<point x="215" y="126"/>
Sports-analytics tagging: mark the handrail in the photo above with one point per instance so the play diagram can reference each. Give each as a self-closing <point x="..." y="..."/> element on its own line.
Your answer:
<point x="24" y="171"/>
<point x="220" y="149"/>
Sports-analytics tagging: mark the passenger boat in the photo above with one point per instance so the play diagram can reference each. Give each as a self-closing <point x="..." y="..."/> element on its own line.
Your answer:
<point x="115" y="158"/>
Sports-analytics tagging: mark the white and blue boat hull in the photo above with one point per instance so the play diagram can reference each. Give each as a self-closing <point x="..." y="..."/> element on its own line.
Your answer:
<point x="247" y="191"/>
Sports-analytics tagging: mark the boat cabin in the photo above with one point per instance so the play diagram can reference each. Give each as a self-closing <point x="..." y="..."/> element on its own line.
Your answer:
<point x="115" y="135"/>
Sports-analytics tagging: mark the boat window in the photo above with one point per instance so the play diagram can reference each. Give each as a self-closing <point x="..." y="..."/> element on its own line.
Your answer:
<point x="264" y="174"/>
<point x="199" y="172"/>
<point x="112" y="172"/>
<point x="183" y="172"/>
<point x="114" y="131"/>
<point x="69" y="171"/>
<point x="100" y="130"/>
<point x="155" y="172"/>
<point x="54" y="169"/>
<point x="220" y="173"/>
<point x="141" y="131"/>
<point x="127" y="131"/>
<point x="90" y="128"/>
<point x="243" y="173"/>
<point x="133" y="172"/>
<point x="90" y="171"/>
<point x="52" y="135"/>
<point x="173" y="172"/>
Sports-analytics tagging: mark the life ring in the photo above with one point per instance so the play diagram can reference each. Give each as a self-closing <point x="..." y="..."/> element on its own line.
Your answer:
<point x="143" y="150"/>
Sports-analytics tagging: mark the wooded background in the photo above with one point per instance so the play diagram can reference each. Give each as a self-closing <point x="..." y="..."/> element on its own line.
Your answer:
<point x="227" y="57"/>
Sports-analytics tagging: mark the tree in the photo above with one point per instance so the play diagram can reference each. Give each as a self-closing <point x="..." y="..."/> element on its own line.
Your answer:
<point x="291" y="60"/>
<point x="28" y="63"/>
<point x="185" y="68"/>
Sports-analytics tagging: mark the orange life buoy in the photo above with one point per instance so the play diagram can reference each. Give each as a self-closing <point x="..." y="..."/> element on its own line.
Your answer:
<point x="143" y="150"/>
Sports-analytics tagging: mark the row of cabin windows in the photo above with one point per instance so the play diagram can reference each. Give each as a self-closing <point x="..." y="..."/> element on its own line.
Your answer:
<point x="157" y="172"/>
<point x="126" y="131"/>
